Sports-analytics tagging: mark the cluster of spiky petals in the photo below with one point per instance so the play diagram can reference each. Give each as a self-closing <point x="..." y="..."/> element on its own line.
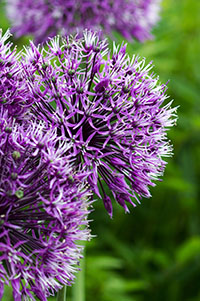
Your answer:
<point x="43" y="211"/>
<point x="133" y="19"/>
<point x="109" y="107"/>
<point x="14" y="95"/>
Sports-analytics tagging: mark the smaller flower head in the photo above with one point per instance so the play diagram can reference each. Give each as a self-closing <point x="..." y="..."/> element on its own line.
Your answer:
<point x="43" y="210"/>
<point x="109" y="107"/>
<point x="133" y="19"/>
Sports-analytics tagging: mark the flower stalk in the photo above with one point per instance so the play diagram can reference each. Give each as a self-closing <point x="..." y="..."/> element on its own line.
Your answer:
<point x="62" y="294"/>
<point x="78" y="288"/>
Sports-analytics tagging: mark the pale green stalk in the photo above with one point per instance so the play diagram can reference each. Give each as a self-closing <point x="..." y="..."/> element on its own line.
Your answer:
<point x="62" y="294"/>
<point x="78" y="289"/>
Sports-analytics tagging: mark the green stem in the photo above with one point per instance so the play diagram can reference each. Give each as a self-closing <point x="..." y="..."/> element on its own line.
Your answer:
<point x="61" y="296"/>
<point x="78" y="289"/>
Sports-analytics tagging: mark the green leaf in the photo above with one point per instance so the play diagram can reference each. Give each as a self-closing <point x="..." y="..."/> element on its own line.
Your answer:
<point x="189" y="250"/>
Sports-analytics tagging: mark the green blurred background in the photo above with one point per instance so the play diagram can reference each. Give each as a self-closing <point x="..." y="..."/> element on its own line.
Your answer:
<point x="153" y="253"/>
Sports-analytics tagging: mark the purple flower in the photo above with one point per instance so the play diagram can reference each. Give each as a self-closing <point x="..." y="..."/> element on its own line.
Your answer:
<point x="43" y="210"/>
<point x="133" y="19"/>
<point x="14" y="94"/>
<point x="109" y="107"/>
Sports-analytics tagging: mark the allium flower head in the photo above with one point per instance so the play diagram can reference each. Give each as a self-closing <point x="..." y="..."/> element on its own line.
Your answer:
<point x="109" y="107"/>
<point x="133" y="19"/>
<point x="43" y="210"/>
<point x="13" y="89"/>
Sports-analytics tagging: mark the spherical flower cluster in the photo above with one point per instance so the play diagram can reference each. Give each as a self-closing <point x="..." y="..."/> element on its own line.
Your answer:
<point x="14" y="95"/>
<point x="43" y="210"/>
<point x="109" y="107"/>
<point x="133" y="19"/>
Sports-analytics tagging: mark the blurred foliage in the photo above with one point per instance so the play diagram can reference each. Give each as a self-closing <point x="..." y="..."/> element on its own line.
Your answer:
<point x="153" y="253"/>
